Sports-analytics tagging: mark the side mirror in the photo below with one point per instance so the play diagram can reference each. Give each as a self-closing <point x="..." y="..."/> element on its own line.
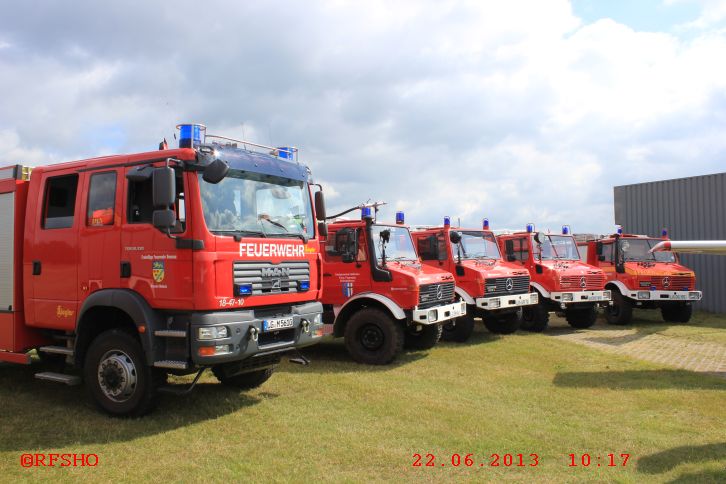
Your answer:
<point x="539" y="237"/>
<point x="454" y="237"/>
<point x="322" y="229"/>
<point x="163" y="219"/>
<point x="598" y="248"/>
<point x="319" y="205"/>
<point x="215" y="171"/>
<point x="385" y="235"/>
<point x="163" y="187"/>
<point x="601" y="258"/>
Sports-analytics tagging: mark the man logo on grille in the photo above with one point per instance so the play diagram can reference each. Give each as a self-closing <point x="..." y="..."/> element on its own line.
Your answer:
<point x="275" y="272"/>
<point x="439" y="292"/>
<point x="583" y="282"/>
<point x="509" y="284"/>
<point x="666" y="282"/>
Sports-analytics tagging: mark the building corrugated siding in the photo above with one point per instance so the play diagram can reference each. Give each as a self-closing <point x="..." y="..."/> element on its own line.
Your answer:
<point x="691" y="209"/>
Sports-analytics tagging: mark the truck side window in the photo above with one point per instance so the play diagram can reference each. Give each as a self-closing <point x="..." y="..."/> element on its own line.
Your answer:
<point x="140" y="206"/>
<point x="521" y="250"/>
<point x="101" y="199"/>
<point x="60" y="202"/>
<point x="428" y="251"/>
<point x="607" y="251"/>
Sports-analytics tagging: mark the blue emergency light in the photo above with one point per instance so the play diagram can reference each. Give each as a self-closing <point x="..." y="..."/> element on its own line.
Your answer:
<point x="400" y="218"/>
<point x="565" y="229"/>
<point x="620" y="230"/>
<point x="530" y="228"/>
<point x="664" y="232"/>
<point x="244" y="289"/>
<point x="365" y="212"/>
<point x="485" y="224"/>
<point x="190" y="135"/>
<point x="447" y="221"/>
<point x="285" y="152"/>
<point x="303" y="286"/>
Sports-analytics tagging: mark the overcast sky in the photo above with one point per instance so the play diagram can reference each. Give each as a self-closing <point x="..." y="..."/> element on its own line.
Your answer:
<point x="519" y="111"/>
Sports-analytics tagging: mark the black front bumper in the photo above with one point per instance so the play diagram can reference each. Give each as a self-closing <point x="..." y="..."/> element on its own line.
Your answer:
<point x="246" y="339"/>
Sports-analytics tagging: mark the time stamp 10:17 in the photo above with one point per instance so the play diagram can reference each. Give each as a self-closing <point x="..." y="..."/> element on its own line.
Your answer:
<point x="517" y="460"/>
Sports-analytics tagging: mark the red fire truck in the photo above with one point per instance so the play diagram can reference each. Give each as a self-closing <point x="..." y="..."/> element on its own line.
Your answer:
<point x="126" y="268"/>
<point x="377" y="294"/>
<point x="639" y="278"/>
<point x="492" y="288"/>
<point x="565" y="284"/>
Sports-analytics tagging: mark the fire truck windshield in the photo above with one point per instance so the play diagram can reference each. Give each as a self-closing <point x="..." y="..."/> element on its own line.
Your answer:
<point x="477" y="245"/>
<point x="638" y="250"/>
<point x="559" y="247"/>
<point x="255" y="204"/>
<point x="399" y="246"/>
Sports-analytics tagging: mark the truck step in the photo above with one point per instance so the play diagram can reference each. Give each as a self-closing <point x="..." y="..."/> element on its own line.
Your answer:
<point x="58" y="350"/>
<point x="69" y="380"/>
<point x="170" y="333"/>
<point x="174" y="365"/>
<point x="64" y="337"/>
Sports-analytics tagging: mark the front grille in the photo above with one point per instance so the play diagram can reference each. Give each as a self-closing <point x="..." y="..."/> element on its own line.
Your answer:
<point x="593" y="282"/>
<point x="429" y="295"/>
<point x="268" y="278"/>
<point x="674" y="283"/>
<point x="282" y="336"/>
<point x="497" y="286"/>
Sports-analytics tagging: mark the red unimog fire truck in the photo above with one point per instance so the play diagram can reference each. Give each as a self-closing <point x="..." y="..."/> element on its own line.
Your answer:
<point x="565" y="284"/>
<point x="132" y="267"/>
<point x="492" y="288"/>
<point x="377" y="294"/>
<point x="639" y="278"/>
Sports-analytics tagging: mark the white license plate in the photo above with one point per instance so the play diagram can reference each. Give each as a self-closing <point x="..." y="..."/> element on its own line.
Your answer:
<point x="275" y="324"/>
<point x="679" y="296"/>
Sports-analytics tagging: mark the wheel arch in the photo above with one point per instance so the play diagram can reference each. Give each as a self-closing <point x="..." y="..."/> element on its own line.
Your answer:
<point x="464" y="296"/>
<point x="540" y="289"/>
<point x="116" y="308"/>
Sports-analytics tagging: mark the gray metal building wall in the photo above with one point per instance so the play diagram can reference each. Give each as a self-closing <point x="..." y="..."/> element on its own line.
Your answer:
<point x="691" y="208"/>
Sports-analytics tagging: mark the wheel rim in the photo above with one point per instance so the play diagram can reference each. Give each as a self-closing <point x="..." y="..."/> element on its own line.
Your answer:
<point x="117" y="376"/>
<point x="371" y="337"/>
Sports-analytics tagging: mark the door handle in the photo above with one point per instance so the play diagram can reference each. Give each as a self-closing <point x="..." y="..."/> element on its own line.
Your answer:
<point x="125" y="269"/>
<point x="36" y="268"/>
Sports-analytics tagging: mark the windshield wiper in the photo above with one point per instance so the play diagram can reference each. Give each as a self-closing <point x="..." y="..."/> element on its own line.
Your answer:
<point x="277" y="224"/>
<point x="300" y="235"/>
<point x="240" y="233"/>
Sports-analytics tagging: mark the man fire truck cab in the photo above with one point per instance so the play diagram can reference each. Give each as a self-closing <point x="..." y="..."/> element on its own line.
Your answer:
<point x="492" y="288"/>
<point x="639" y="278"/>
<point x="377" y="293"/>
<point x="131" y="267"/>
<point x="564" y="283"/>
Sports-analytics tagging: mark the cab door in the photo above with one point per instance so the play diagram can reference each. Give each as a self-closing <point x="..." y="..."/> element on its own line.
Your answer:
<point x="54" y="253"/>
<point x="100" y="232"/>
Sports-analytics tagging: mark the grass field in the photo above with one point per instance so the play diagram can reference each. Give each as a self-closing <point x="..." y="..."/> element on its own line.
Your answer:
<point x="339" y="421"/>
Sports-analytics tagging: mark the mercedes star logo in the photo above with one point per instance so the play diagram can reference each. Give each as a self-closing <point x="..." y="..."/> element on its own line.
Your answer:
<point x="510" y="284"/>
<point x="439" y="292"/>
<point x="666" y="282"/>
<point x="583" y="282"/>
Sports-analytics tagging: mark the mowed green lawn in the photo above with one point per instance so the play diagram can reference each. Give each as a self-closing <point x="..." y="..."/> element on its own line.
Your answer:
<point x="339" y="421"/>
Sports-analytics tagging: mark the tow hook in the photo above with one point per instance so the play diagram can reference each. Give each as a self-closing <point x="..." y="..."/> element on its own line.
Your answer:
<point x="254" y="333"/>
<point x="305" y="325"/>
<point x="300" y="359"/>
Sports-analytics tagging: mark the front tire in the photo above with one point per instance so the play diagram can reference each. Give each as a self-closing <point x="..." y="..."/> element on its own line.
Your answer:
<point x="459" y="329"/>
<point x="621" y="311"/>
<point x="535" y="317"/>
<point x="424" y="339"/>
<point x="117" y="376"/>
<point x="581" y="318"/>
<point x="677" y="313"/>
<point x="506" y="324"/>
<point x="243" y="381"/>
<point x="373" y="337"/>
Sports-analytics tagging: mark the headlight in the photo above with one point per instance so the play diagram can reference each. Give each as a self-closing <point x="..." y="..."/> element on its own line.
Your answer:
<point x="607" y="294"/>
<point x="567" y="297"/>
<point x="433" y="315"/>
<point x="318" y="319"/>
<point x="494" y="303"/>
<point x="533" y="297"/>
<point x="213" y="332"/>
<point x="463" y="308"/>
<point x="643" y="295"/>
<point x="693" y="295"/>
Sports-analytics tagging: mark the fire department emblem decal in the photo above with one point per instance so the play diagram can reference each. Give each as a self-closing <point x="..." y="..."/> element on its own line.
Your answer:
<point x="583" y="282"/>
<point x="157" y="270"/>
<point x="666" y="282"/>
<point x="347" y="289"/>
<point x="509" y="284"/>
